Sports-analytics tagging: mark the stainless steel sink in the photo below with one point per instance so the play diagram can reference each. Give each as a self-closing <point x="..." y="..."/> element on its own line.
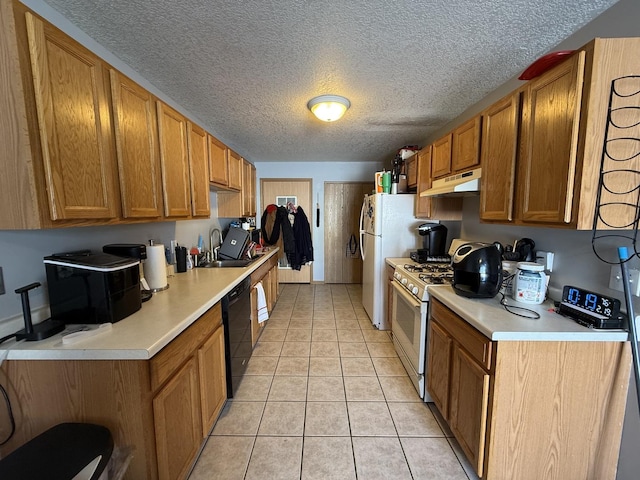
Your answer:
<point x="226" y="263"/>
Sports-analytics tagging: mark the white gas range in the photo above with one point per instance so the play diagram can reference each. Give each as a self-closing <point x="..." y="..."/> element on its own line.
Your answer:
<point x="410" y="310"/>
<point x="415" y="277"/>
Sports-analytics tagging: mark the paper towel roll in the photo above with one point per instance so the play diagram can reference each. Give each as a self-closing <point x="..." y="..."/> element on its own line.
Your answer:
<point x="155" y="268"/>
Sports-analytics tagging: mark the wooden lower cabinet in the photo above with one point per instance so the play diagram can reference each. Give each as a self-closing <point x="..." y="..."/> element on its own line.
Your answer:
<point x="468" y="408"/>
<point x="178" y="424"/>
<point x="213" y="385"/>
<point x="528" y="409"/>
<point x="162" y="408"/>
<point x="439" y="362"/>
<point x="267" y="273"/>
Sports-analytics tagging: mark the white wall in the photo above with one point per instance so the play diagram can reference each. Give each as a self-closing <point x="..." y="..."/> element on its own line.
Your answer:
<point x="22" y="253"/>
<point x="319" y="172"/>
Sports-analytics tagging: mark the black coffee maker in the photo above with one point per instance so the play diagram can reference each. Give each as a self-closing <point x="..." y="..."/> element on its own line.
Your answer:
<point x="434" y="243"/>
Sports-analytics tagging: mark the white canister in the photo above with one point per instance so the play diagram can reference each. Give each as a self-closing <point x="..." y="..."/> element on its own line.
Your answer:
<point x="530" y="283"/>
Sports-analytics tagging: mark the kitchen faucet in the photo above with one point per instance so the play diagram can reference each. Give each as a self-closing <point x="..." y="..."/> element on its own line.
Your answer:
<point x="214" y="251"/>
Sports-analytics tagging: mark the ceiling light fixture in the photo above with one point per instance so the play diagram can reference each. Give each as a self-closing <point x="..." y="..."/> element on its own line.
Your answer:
<point x="328" y="108"/>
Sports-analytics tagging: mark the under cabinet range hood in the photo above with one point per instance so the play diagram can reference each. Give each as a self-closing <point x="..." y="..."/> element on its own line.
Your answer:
<point x="465" y="183"/>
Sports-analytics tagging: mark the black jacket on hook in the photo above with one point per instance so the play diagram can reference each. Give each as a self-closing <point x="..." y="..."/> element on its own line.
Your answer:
<point x="304" y="246"/>
<point x="280" y="225"/>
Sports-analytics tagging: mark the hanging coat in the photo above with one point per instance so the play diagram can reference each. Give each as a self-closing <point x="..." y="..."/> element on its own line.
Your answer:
<point x="303" y="244"/>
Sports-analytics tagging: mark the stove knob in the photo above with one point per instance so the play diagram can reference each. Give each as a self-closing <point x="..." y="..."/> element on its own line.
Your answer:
<point x="404" y="281"/>
<point x="414" y="290"/>
<point x="410" y="287"/>
<point x="397" y="275"/>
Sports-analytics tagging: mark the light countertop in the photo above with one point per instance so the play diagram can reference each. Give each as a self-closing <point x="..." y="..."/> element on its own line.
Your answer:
<point x="490" y="318"/>
<point x="143" y="334"/>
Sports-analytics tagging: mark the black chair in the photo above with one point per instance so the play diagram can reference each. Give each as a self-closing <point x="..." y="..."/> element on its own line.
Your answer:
<point x="60" y="453"/>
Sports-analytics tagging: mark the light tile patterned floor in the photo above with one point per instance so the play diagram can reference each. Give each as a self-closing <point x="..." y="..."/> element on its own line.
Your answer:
<point x="326" y="397"/>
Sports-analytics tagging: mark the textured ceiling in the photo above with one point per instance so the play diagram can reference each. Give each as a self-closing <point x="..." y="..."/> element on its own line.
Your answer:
<point x="246" y="68"/>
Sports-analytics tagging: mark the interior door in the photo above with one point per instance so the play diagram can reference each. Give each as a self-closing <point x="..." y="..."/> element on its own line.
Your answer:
<point x="299" y="189"/>
<point x="342" y="203"/>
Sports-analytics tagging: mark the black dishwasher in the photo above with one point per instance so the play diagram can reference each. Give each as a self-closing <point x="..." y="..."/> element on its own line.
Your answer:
<point x="236" y="318"/>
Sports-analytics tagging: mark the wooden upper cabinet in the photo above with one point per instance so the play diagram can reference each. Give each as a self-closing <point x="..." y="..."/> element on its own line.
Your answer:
<point x="412" y="171"/>
<point x="136" y="134"/>
<point x="441" y="157"/>
<point x="235" y="171"/>
<point x="465" y="148"/>
<point x="498" y="158"/>
<point x="423" y="182"/>
<point x="172" y="129"/>
<point x="198" y="170"/>
<point x="438" y="208"/>
<point x="218" y="162"/>
<point x="548" y="150"/>
<point x="248" y="189"/>
<point x="71" y="87"/>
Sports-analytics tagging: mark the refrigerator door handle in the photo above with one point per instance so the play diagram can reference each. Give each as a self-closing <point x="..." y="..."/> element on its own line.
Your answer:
<point x="362" y="229"/>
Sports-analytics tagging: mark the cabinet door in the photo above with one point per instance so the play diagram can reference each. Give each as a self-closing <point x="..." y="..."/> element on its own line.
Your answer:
<point x="550" y="123"/>
<point x="72" y="101"/>
<point x="172" y="127"/>
<point x="465" y="151"/>
<point x="439" y="367"/>
<point x="441" y="157"/>
<point x="218" y="167"/>
<point x="423" y="161"/>
<point x="230" y="205"/>
<point x="255" y="326"/>
<point x="412" y="171"/>
<point x="213" y="380"/>
<point x="136" y="130"/>
<point x="176" y="412"/>
<point x="198" y="170"/>
<point x="248" y="193"/>
<point x="252" y="191"/>
<point x="498" y="158"/>
<point x="235" y="171"/>
<point x="273" y="275"/>
<point x="469" y="406"/>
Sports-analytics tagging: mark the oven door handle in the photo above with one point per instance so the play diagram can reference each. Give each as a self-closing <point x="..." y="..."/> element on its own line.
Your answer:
<point x="410" y="299"/>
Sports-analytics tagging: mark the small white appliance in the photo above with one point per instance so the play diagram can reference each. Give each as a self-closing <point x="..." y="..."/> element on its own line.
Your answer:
<point x="387" y="229"/>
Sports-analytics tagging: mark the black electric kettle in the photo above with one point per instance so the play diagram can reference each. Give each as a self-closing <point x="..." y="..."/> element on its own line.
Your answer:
<point x="434" y="238"/>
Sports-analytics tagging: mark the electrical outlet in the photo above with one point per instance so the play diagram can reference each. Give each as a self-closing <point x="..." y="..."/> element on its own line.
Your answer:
<point x="2" y="291"/>
<point x="546" y="259"/>
<point x="615" y="280"/>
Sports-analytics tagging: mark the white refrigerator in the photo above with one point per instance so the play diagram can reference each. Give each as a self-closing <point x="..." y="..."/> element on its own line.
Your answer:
<point x="387" y="229"/>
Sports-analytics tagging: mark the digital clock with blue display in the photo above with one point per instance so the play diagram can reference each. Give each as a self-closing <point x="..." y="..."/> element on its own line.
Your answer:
<point x="590" y="308"/>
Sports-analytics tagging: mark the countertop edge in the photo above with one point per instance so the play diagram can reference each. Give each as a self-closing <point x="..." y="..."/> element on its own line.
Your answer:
<point x="153" y="333"/>
<point x="497" y="328"/>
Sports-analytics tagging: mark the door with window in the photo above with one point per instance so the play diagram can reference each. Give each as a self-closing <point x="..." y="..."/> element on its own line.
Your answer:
<point x="298" y="192"/>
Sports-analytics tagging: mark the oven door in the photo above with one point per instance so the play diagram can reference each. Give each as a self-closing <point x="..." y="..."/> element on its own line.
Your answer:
<point x="409" y="327"/>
